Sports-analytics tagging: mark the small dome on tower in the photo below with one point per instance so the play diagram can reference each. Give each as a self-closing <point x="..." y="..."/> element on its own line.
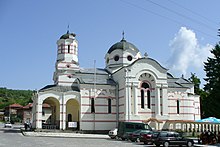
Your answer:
<point x="68" y="35"/>
<point x="123" y="45"/>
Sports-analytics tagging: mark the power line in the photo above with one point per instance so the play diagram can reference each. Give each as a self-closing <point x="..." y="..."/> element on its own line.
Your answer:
<point x="193" y="12"/>
<point x="165" y="17"/>
<point x="186" y="17"/>
<point x="146" y="10"/>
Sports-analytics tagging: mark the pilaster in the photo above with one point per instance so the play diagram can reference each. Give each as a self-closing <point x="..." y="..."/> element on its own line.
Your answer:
<point x="157" y="100"/>
<point x="135" y="91"/>
<point x="164" y="100"/>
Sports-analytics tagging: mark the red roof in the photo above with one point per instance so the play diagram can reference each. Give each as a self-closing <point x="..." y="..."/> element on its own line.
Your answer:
<point x="15" y="106"/>
<point x="28" y="106"/>
<point x="45" y="105"/>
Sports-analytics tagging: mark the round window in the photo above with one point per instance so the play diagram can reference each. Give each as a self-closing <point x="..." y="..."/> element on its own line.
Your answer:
<point x="129" y="57"/>
<point x="116" y="58"/>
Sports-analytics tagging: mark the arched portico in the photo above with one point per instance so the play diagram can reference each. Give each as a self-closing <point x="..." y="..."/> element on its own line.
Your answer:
<point x="72" y="114"/>
<point x="52" y="121"/>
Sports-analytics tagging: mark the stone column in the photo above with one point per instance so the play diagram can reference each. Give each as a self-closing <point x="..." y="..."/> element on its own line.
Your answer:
<point x="64" y="116"/>
<point x="63" y="113"/>
<point x="187" y="127"/>
<point x="38" y="113"/>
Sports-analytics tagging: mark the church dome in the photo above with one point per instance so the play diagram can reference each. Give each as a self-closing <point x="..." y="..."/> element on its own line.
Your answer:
<point x="123" y="45"/>
<point x="68" y="35"/>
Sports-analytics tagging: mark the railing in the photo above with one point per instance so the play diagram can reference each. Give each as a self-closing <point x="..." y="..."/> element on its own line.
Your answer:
<point x="50" y="127"/>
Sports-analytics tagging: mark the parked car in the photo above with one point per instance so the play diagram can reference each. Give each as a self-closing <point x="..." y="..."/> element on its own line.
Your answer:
<point x="8" y="125"/>
<point x="135" y="136"/>
<point x="113" y="133"/>
<point x="146" y="137"/>
<point x="127" y="135"/>
<point x="167" y="138"/>
<point x="124" y="128"/>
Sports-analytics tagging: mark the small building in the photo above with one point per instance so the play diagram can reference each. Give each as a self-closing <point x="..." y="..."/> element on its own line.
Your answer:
<point x="46" y="113"/>
<point x="13" y="112"/>
<point x="23" y="114"/>
<point x="1" y="115"/>
<point x="27" y="113"/>
<point x="130" y="87"/>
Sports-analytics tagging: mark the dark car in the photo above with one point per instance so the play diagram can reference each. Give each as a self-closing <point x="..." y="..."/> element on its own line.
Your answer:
<point x="125" y="128"/>
<point x="146" y="137"/>
<point x="135" y="136"/>
<point x="167" y="138"/>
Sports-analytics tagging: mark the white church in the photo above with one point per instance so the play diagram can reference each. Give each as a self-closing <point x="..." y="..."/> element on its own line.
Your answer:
<point x="130" y="88"/>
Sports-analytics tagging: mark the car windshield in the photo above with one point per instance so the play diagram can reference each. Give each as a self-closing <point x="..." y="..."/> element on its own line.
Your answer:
<point x="147" y="127"/>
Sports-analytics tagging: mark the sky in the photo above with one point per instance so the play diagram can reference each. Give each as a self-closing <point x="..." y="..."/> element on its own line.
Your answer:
<point x="178" y="34"/>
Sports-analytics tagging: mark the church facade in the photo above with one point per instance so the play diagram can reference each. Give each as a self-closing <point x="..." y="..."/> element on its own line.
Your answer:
<point x="129" y="88"/>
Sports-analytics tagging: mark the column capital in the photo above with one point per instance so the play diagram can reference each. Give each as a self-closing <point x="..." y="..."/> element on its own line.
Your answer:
<point x="158" y="85"/>
<point x="165" y="85"/>
<point x="135" y="84"/>
<point x="161" y="85"/>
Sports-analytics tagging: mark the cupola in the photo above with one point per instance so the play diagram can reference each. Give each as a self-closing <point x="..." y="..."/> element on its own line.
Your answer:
<point x="121" y="54"/>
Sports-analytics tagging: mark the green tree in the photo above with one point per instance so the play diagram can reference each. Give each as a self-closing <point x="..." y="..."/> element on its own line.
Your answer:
<point x="212" y="86"/>
<point x="203" y="94"/>
<point x="196" y="81"/>
<point x="9" y="96"/>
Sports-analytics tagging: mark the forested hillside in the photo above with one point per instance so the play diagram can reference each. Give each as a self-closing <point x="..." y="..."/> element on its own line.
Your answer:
<point x="9" y="96"/>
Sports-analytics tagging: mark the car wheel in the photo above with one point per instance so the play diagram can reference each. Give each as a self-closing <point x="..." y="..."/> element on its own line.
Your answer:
<point x="166" y="144"/>
<point x="189" y="144"/>
<point x="138" y="139"/>
<point x="146" y="142"/>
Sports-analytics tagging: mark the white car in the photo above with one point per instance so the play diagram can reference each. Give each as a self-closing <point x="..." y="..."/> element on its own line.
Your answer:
<point x="113" y="133"/>
<point x="8" y="125"/>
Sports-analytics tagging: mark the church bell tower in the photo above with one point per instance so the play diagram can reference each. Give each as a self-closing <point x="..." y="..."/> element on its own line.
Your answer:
<point x="67" y="60"/>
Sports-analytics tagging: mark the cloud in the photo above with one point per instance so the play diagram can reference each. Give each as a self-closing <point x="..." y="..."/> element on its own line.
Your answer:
<point x="186" y="53"/>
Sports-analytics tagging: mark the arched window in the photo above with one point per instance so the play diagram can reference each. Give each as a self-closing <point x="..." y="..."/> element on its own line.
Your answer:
<point x="109" y="106"/>
<point x="92" y="105"/>
<point x="148" y="99"/>
<point x="68" y="48"/>
<point x="74" y="50"/>
<point x="145" y="86"/>
<point x="69" y="117"/>
<point x="62" y="48"/>
<point x="142" y="98"/>
<point x="178" y="106"/>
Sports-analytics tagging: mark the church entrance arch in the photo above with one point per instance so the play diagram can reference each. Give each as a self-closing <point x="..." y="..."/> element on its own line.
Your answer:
<point x="51" y="115"/>
<point x="72" y="114"/>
